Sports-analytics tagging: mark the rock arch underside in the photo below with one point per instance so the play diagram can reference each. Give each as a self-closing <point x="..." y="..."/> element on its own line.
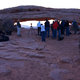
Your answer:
<point x="26" y="13"/>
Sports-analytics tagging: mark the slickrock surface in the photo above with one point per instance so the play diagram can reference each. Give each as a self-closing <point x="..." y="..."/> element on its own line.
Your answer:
<point x="25" y="13"/>
<point x="27" y="58"/>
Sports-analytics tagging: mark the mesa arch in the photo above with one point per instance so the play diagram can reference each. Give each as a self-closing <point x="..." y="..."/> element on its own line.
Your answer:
<point x="26" y="13"/>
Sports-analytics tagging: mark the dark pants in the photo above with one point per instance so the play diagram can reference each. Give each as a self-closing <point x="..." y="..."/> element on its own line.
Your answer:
<point x="39" y="31"/>
<point x="59" y="33"/>
<point x="75" y="31"/>
<point x="54" y="33"/>
<point x="43" y="35"/>
<point x="62" y="31"/>
<point x="47" y="31"/>
<point x="67" y="31"/>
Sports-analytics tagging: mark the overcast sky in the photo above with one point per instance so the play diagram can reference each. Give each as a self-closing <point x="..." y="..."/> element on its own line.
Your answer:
<point x="45" y="3"/>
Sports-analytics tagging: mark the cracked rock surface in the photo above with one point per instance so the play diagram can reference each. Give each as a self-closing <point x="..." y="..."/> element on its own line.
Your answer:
<point x="27" y="58"/>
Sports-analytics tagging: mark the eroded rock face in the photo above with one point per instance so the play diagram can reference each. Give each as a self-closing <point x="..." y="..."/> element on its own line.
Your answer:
<point x="25" y="13"/>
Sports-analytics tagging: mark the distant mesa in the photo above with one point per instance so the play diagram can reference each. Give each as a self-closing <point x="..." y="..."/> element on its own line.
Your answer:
<point x="25" y="13"/>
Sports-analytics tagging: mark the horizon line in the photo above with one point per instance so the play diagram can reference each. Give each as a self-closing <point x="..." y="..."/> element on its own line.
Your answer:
<point x="38" y="6"/>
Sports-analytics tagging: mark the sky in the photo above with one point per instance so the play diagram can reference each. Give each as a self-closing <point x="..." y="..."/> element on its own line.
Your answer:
<point x="45" y="3"/>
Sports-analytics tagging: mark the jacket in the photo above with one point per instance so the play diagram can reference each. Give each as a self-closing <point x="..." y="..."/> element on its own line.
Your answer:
<point x="47" y="24"/>
<point x="55" y="25"/>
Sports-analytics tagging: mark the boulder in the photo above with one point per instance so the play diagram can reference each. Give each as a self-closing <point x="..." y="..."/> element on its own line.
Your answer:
<point x="4" y="38"/>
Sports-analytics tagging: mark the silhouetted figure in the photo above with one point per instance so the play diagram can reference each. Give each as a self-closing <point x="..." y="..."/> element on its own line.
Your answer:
<point x="62" y="27"/>
<point x="47" y="28"/>
<point x="75" y="26"/>
<point x="67" y="28"/>
<point x="52" y="27"/>
<point x="18" y="28"/>
<point x="59" y="31"/>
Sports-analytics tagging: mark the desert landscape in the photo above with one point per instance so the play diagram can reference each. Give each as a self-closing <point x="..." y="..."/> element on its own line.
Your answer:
<point x="28" y="58"/>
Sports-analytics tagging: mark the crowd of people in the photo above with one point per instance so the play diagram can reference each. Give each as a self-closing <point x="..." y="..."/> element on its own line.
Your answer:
<point x="57" y="29"/>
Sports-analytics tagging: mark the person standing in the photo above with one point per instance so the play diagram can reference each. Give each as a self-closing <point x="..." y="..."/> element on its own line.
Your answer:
<point x="39" y="28"/>
<point x="75" y="26"/>
<point x="18" y="28"/>
<point x="31" y="31"/>
<point x="47" y="28"/>
<point x="59" y="31"/>
<point x="67" y="28"/>
<point x="55" y="26"/>
<point x="43" y="33"/>
<point x="52" y="27"/>
<point x="62" y="27"/>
